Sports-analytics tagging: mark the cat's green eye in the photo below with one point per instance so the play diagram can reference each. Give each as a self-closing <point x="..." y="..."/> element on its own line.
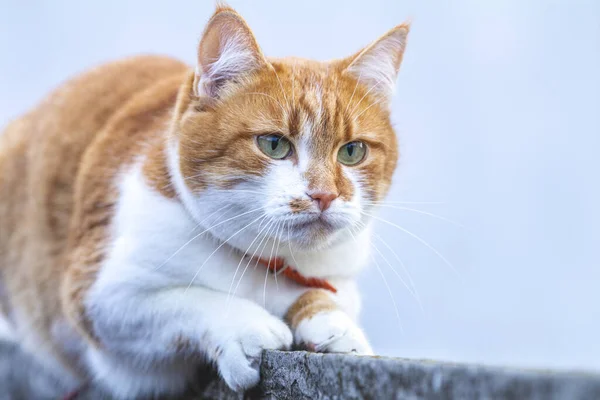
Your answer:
<point x="275" y="146"/>
<point x="352" y="153"/>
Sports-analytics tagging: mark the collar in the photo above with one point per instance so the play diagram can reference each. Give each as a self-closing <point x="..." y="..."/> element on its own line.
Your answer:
<point x="278" y="266"/>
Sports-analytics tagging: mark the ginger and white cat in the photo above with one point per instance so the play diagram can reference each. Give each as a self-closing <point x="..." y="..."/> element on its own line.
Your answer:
<point x="154" y="217"/>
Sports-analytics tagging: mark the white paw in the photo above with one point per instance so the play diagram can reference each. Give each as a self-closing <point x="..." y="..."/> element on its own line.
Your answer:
<point x="332" y="332"/>
<point x="242" y="341"/>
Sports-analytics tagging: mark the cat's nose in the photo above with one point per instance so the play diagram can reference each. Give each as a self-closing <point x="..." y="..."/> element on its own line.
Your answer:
<point x="323" y="199"/>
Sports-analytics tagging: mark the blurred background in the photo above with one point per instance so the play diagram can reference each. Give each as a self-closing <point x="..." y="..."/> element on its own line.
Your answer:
<point x="498" y="116"/>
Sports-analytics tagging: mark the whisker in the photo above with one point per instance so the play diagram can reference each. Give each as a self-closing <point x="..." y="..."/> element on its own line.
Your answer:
<point x="276" y="230"/>
<point x="277" y="251"/>
<point x="412" y="289"/>
<point x="404" y="202"/>
<point x="363" y="111"/>
<point x="386" y="285"/>
<point x="218" y="247"/>
<point x="422" y="241"/>
<point x="261" y="234"/>
<point x="365" y="95"/>
<point x="281" y="87"/>
<point x="270" y="258"/>
<point x="404" y="268"/>
<point x="425" y="213"/>
<point x="244" y="256"/>
<point x="409" y="288"/>
<point x="412" y="292"/>
<point x="354" y="91"/>
<point x="207" y="217"/>
<point x="270" y="233"/>
<point x="270" y="224"/>
<point x="203" y="232"/>
<point x="243" y="191"/>
<point x="271" y="97"/>
<point x="193" y="176"/>
<point x="294" y="83"/>
<point x="390" y="293"/>
<point x="291" y="252"/>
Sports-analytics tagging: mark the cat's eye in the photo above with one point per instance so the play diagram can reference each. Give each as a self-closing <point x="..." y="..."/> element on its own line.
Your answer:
<point x="352" y="153"/>
<point x="275" y="146"/>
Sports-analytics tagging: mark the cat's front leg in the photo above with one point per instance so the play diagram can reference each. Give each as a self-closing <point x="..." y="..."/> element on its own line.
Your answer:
<point x="158" y="327"/>
<point x="320" y="324"/>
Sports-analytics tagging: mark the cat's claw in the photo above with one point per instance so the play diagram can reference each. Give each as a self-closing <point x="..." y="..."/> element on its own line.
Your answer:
<point x="332" y="332"/>
<point x="239" y="355"/>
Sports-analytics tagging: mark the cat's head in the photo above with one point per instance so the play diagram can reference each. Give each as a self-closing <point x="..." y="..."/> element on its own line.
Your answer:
<point x="291" y="149"/>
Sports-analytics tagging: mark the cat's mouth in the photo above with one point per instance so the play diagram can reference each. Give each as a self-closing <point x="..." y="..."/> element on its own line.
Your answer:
<point x="321" y="224"/>
<point x="315" y="230"/>
<point x="316" y="223"/>
<point x="315" y="233"/>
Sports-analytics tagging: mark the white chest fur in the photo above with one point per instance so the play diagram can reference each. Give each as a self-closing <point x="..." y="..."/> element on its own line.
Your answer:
<point x="164" y="280"/>
<point x="156" y="243"/>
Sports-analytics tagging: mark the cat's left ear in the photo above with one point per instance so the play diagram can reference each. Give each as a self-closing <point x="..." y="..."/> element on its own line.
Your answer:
<point x="377" y="65"/>
<point x="227" y="52"/>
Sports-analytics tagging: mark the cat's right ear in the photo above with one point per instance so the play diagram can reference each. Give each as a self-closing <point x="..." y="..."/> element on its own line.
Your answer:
<point x="227" y="52"/>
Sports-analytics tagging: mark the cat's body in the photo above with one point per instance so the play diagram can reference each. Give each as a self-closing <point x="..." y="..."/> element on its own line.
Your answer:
<point x="134" y="202"/>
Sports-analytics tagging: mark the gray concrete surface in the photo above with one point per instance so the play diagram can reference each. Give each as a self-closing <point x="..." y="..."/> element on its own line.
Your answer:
<point x="301" y="375"/>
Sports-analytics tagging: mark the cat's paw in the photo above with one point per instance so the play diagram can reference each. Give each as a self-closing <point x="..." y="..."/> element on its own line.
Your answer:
<point x="331" y="332"/>
<point x="241" y="346"/>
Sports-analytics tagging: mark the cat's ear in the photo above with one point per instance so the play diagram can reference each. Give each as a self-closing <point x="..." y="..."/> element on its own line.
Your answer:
<point x="227" y="51"/>
<point x="377" y="65"/>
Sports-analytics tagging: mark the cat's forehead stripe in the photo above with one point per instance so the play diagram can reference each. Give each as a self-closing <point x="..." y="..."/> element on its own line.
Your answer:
<point x="320" y="116"/>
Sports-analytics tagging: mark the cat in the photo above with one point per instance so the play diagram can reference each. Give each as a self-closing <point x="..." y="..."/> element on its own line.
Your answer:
<point x="155" y="217"/>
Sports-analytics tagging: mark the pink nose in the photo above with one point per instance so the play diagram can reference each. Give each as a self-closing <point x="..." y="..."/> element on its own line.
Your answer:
<point x="323" y="199"/>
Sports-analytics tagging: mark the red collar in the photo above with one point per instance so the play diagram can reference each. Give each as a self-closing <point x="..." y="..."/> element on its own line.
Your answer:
<point x="277" y="265"/>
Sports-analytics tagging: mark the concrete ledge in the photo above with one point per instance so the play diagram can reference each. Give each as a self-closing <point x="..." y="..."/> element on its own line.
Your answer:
<point x="301" y="375"/>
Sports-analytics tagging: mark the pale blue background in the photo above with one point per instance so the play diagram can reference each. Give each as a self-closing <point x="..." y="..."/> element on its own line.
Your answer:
<point x="498" y="113"/>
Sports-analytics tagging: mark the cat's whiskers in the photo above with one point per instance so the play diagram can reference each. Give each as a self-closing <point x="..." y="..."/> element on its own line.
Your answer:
<point x="276" y="236"/>
<point x="167" y="186"/>
<point x="269" y="225"/>
<point x="270" y="234"/>
<point x="285" y="222"/>
<point x="411" y="289"/>
<point x="294" y="82"/>
<point x="261" y="230"/>
<point x="369" y="106"/>
<point x="282" y="91"/>
<point x="365" y="95"/>
<point x="385" y="283"/>
<point x="217" y="249"/>
<point x="424" y="213"/>
<point x="244" y="191"/>
<point x="404" y="268"/>
<point x="353" y="92"/>
<point x="291" y="252"/>
<point x="416" y="237"/>
<point x="208" y="216"/>
<point x="404" y="202"/>
<point x="271" y="97"/>
<point x="198" y="175"/>
<point x="203" y="232"/>
<point x="277" y="224"/>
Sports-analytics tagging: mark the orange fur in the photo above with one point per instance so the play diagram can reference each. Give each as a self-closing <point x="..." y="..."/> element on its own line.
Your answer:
<point x="308" y="305"/>
<point x="264" y="100"/>
<point x="58" y="164"/>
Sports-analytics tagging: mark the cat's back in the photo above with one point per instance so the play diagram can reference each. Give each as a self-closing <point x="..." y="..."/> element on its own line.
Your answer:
<point x="41" y="152"/>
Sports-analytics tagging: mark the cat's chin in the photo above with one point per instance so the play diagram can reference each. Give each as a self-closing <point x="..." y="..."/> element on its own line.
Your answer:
<point x="318" y="234"/>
